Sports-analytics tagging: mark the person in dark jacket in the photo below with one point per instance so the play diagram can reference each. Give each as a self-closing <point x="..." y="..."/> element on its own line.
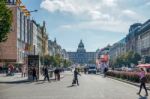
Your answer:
<point x="75" y="80"/>
<point x="34" y="74"/>
<point x="46" y="74"/>
<point x="57" y="74"/>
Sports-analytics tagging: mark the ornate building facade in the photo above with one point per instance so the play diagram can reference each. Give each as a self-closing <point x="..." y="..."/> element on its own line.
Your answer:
<point x="81" y="56"/>
<point x="54" y="48"/>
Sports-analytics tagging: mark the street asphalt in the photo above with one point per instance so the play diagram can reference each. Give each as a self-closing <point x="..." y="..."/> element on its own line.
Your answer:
<point x="91" y="87"/>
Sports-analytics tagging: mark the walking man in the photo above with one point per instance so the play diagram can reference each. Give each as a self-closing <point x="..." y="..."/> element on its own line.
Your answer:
<point x="75" y="80"/>
<point x="34" y="74"/>
<point x="57" y="74"/>
<point x="46" y="74"/>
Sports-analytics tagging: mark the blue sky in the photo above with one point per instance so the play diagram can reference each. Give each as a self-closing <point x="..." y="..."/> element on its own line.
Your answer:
<point x="97" y="22"/>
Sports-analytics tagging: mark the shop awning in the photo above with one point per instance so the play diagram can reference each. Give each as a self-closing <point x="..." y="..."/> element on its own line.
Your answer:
<point x="144" y="65"/>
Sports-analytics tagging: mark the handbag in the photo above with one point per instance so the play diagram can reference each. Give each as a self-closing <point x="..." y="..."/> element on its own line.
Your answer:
<point x="74" y="81"/>
<point x="144" y="80"/>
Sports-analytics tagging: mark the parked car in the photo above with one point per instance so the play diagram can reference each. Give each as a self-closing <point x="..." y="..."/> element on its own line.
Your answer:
<point x="92" y="69"/>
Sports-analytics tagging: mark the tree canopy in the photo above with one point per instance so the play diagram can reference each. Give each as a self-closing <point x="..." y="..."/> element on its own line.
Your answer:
<point x="5" y="20"/>
<point x="127" y="58"/>
<point x="56" y="61"/>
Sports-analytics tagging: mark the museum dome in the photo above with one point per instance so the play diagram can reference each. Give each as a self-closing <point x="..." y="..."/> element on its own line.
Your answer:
<point x="81" y="47"/>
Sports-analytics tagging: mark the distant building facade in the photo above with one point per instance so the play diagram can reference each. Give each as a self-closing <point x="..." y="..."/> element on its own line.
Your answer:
<point x="117" y="49"/>
<point x="81" y="56"/>
<point x="54" y="48"/>
<point x="137" y="40"/>
<point x="15" y="49"/>
<point x="64" y="54"/>
<point x="26" y="37"/>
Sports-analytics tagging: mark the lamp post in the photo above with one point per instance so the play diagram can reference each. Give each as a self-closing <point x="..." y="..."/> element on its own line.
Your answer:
<point x="33" y="11"/>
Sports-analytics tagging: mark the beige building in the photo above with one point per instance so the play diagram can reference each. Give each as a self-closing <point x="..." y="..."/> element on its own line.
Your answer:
<point x="15" y="49"/>
<point x="143" y="42"/>
<point x="25" y="38"/>
<point x="54" y="48"/>
<point x="44" y="39"/>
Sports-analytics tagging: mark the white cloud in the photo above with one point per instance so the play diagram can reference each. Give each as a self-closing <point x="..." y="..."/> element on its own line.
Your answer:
<point x="76" y="6"/>
<point x="112" y="26"/>
<point x="110" y="3"/>
<point x="55" y="5"/>
<point x="96" y="14"/>
<point x="129" y="12"/>
<point x="66" y="26"/>
<point x="148" y="4"/>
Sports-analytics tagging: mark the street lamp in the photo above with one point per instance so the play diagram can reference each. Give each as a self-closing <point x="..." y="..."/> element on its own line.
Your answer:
<point x="33" y="11"/>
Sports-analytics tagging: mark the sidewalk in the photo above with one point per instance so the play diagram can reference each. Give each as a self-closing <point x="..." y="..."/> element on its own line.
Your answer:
<point x="8" y="79"/>
<point x="18" y="79"/>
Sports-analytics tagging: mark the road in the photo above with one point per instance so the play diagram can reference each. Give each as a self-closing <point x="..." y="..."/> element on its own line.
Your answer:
<point x="91" y="87"/>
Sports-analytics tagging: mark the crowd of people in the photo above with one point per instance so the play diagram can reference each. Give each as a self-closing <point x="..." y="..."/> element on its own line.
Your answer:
<point x="10" y="69"/>
<point x="46" y="72"/>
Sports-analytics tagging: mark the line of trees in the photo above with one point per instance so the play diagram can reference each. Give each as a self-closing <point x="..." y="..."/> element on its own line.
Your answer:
<point x="127" y="59"/>
<point x="56" y="61"/>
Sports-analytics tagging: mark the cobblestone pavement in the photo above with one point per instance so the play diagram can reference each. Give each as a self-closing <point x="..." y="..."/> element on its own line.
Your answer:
<point x="91" y="87"/>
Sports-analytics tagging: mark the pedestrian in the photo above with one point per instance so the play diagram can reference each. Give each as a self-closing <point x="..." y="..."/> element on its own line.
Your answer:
<point x="34" y="74"/>
<point x="17" y="70"/>
<point x="85" y="70"/>
<point x="75" y="79"/>
<point x="57" y="74"/>
<point x="1" y="69"/>
<point x="105" y="69"/>
<point x="23" y="70"/>
<point x="143" y="79"/>
<point x="46" y="74"/>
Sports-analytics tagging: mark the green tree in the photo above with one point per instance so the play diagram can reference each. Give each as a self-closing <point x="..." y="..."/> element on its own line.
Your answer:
<point x="58" y="60"/>
<point x="5" y="20"/>
<point x="119" y="62"/>
<point x="128" y="58"/>
<point x="147" y="59"/>
<point x="67" y="63"/>
<point x="136" y="58"/>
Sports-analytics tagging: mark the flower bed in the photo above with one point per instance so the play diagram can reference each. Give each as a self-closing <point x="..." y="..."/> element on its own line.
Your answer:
<point x="130" y="76"/>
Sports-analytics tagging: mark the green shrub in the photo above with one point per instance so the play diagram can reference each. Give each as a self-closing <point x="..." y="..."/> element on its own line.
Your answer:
<point x="130" y="76"/>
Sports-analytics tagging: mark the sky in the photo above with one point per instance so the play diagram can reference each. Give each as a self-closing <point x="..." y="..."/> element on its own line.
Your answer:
<point x="97" y="22"/>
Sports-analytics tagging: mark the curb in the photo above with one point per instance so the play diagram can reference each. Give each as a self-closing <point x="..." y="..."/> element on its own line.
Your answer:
<point x="128" y="82"/>
<point x="24" y="81"/>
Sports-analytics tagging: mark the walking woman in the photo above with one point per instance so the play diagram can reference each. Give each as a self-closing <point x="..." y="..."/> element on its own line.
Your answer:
<point x="143" y="81"/>
<point x="75" y="79"/>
